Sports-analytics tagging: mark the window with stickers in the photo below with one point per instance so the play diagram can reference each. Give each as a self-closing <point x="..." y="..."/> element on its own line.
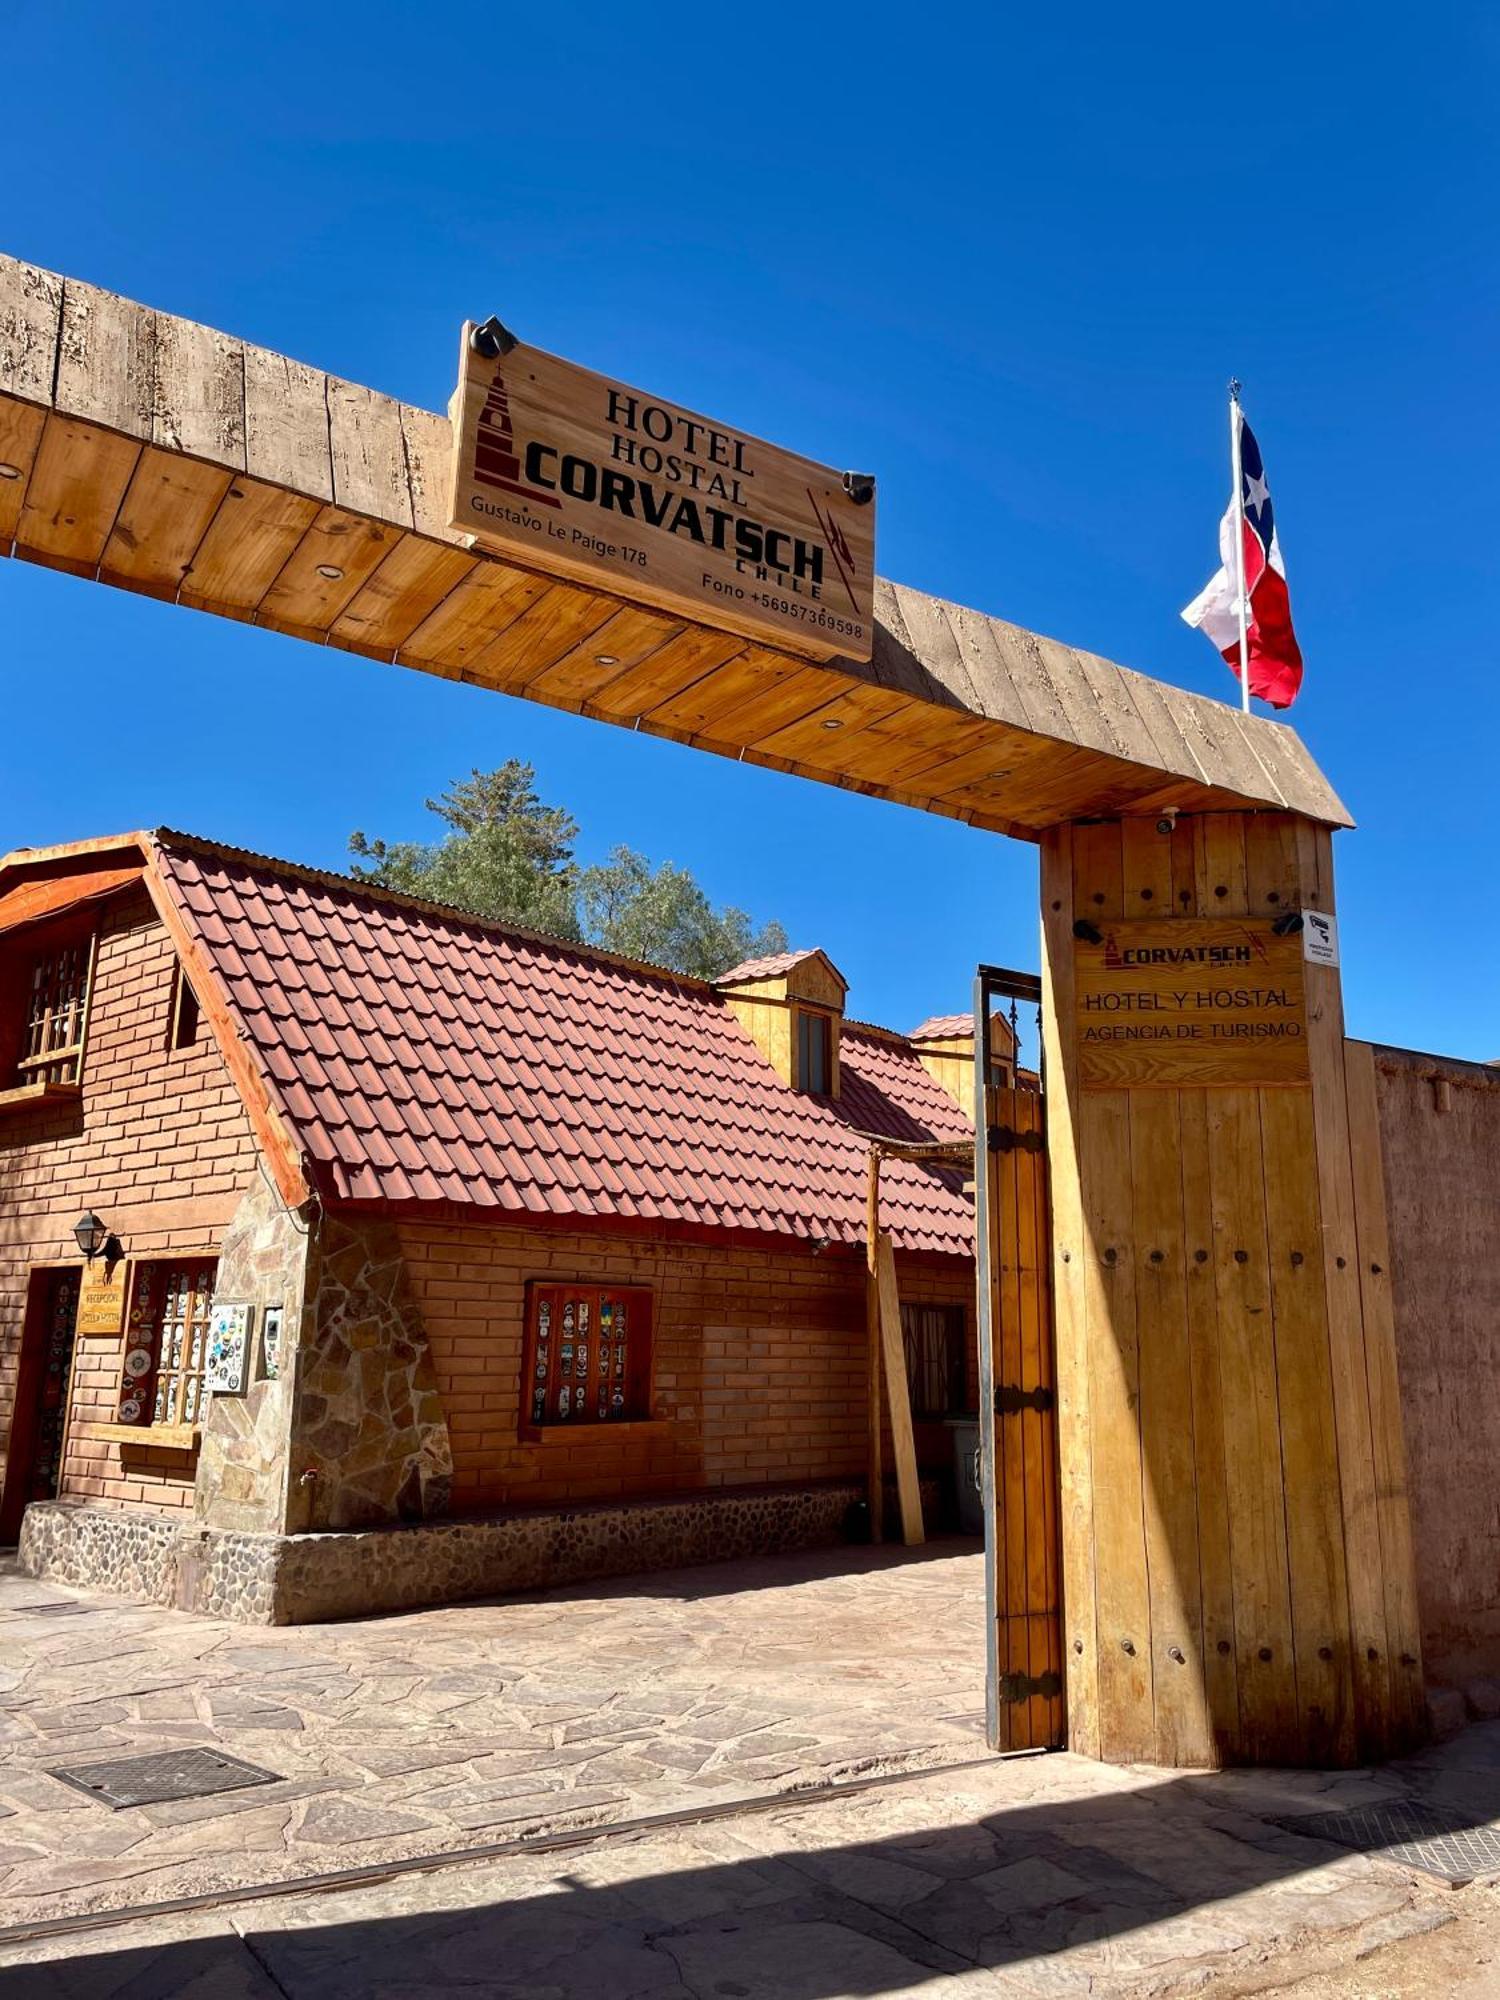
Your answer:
<point x="166" y="1344"/>
<point x="587" y="1355"/>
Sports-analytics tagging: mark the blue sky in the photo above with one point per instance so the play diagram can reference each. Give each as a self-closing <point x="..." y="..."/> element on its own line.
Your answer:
<point x="1004" y="257"/>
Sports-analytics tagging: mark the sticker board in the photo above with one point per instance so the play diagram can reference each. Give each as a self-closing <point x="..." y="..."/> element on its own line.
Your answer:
<point x="1183" y="1001"/>
<point x="228" y="1350"/>
<point x="101" y="1302"/>
<point x="564" y="471"/>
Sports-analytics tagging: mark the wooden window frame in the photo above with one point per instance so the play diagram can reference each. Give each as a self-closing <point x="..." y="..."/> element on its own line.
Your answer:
<point x="185" y="1016"/>
<point x="823" y="1021"/>
<point x="146" y="1327"/>
<point x="542" y="1358"/>
<point x="29" y="1071"/>
<point x="957" y="1317"/>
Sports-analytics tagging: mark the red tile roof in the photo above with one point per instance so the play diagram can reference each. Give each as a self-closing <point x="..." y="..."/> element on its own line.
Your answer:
<point x="774" y="966"/>
<point x="943" y="1028"/>
<point x="421" y="1056"/>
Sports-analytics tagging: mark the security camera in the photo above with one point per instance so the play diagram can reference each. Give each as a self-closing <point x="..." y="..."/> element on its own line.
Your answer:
<point x="860" y="486"/>
<point x="491" y="339"/>
<point x="1168" y="821"/>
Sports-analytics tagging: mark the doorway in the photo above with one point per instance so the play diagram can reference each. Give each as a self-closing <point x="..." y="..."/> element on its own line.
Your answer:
<point x="33" y="1460"/>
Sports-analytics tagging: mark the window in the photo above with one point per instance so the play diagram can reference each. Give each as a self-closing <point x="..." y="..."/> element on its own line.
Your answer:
<point x="814" y="1053"/>
<point x="184" y="1029"/>
<point x="587" y="1355"/>
<point x="166" y="1344"/>
<point x="936" y="1354"/>
<point x="55" y="1010"/>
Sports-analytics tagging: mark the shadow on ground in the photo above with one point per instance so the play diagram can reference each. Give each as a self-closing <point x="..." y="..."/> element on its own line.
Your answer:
<point x="1043" y="1898"/>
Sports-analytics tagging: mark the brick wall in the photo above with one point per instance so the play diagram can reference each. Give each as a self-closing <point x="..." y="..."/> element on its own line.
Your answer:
<point x="159" y="1146"/>
<point x="758" y="1375"/>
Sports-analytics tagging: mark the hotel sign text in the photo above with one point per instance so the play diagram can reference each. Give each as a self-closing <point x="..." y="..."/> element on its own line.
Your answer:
<point x="1184" y="1001"/>
<point x="580" y="477"/>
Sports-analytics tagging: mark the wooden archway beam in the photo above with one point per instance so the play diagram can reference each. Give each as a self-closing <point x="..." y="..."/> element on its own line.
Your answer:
<point x="157" y="455"/>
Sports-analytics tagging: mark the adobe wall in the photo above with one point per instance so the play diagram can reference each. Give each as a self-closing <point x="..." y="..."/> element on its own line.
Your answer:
<point x="159" y="1146"/>
<point x="759" y="1361"/>
<point x="1440" y="1135"/>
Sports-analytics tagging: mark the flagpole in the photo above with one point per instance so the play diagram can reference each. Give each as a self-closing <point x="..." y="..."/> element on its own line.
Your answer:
<point x="1239" y="540"/>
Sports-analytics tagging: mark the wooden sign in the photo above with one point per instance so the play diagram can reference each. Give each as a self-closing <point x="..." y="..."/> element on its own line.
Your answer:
<point x="101" y="1302"/>
<point x="1183" y="1001"/>
<point x="566" y="472"/>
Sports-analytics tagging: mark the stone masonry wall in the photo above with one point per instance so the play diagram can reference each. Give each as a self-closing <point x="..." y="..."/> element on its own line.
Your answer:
<point x="243" y="1458"/>
<point x="369" y="1437"/>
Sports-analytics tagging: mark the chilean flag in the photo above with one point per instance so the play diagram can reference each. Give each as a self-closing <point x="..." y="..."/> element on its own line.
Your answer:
<point x="1271" y="645"/>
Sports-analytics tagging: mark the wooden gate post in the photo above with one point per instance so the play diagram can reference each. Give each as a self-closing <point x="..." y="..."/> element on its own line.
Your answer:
<point x="1237" y="1569"/>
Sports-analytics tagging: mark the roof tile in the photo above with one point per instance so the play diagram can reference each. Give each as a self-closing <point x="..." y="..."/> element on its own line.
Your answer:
<point x="420" y="1056"/>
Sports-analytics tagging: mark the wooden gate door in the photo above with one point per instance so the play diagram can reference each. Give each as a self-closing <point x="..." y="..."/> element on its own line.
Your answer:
<point x="1017" y="1378"/>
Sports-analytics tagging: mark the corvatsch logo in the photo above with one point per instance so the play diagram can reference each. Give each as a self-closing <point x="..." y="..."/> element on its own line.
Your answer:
<point x="496" y="462"/>
<point x="1125" y="957"/>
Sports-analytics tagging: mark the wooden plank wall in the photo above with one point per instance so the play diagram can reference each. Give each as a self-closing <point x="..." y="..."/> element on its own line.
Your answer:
<point x="1237" y="1557"/>
<point x="161" y="457"/>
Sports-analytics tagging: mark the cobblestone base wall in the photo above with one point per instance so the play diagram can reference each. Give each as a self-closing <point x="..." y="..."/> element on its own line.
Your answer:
<point x="305" y="1579"/>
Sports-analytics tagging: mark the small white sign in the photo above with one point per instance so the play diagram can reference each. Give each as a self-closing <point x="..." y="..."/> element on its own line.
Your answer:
<point x="1320" y="938"/>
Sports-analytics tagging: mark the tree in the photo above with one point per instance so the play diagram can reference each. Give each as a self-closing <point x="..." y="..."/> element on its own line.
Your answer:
<point x="506" y="855"/>
<point x="661" y="914"/>
<point x="509" y="856"/>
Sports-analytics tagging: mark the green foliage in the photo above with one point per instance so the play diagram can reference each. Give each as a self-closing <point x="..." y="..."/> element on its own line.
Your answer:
<point x="508" y="856"/>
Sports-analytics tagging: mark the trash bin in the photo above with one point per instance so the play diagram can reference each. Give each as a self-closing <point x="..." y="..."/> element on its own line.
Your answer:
<point x="966" y="1474"/>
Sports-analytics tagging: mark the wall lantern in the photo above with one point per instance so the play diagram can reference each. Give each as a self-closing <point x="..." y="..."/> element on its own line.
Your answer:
<point x="89" y="1234"/>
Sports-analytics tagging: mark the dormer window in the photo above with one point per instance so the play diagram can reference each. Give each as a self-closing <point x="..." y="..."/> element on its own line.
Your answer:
<point x="792" y="1006"/>
<point x="814" y="1053"/>
<point x="54" y="1010"/>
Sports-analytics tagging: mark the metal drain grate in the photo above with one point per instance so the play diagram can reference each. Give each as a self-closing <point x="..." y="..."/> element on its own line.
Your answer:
<point x="1432" y="1838"/>
<point x="163" y="1775"/>
<point x="66" y="1608"/>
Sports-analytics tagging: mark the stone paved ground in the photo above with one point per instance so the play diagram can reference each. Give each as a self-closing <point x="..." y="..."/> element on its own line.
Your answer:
<point x="1037" y="1877"/>
<point x="447" y="1728"/>
<point x="968" y="1875"/>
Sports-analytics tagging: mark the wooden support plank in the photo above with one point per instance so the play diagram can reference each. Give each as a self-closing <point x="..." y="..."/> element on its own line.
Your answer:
<point x="874" y="1410"/>
<point x="1037" y="1426"/>
<point x="1070" y="1257"/>
<point x="167" y="510"/>
<point x="897" y="1395"/>
<point x="1309" y="1440"/>
<point x="413" y="579"/>
<point x="304" y="600"/>
<point x="481" y="606"/>
<point x="1338" y="1254"/>
<point x="559" y="621"/>
<point x="286" y="424"/>
<point x="629" y="637"/>
<point x="367" y="454"/>
<point x="21" y="426"/>
<point x="30" y="319"/>
<point x="1215" y="1565"/>
<point x="106" y="361"/>
<point x="1397" y="1563"/>
<point x="245" y="548"/>
<point x="428" y="440"/>
<point x="705" y="698"/>
<point x="78" y="480"/>
<point x="198" y="405"/>
<point x="1184" y="1734"/>
<point x="646" y="691"/>
<point x="1169" y="1486"/>
<point x="1265" y="1667"/>
<point x="1011" y="1603"/>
